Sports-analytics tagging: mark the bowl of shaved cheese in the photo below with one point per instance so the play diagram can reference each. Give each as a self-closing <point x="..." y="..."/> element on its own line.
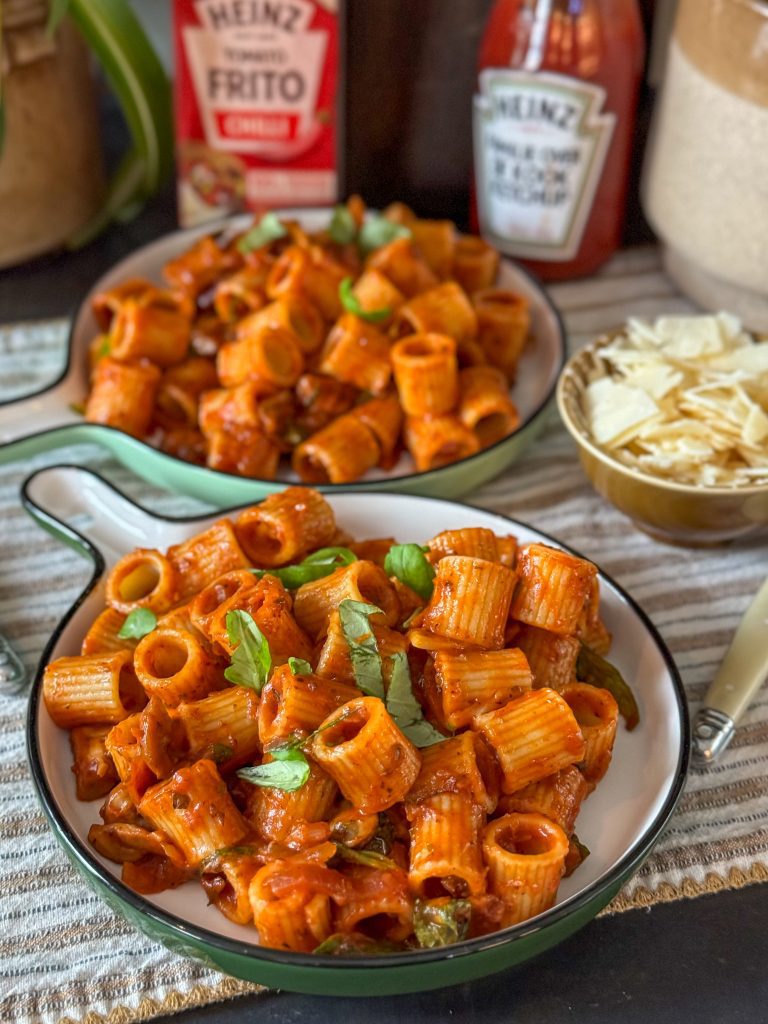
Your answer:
<point x="671" y="421"/>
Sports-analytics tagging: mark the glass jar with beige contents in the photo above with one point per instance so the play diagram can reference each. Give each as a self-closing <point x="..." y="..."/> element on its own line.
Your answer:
<point x="707" y="165"/>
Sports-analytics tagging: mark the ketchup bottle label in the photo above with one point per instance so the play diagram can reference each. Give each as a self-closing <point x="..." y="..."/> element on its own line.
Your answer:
<point x="540" y="143"/>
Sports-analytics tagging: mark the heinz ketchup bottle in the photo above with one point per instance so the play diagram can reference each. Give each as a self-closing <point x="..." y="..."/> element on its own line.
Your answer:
<point x="553" y="119"/>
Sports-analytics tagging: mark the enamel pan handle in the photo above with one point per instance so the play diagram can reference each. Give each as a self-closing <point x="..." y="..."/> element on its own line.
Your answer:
<point x="740" y="675"/>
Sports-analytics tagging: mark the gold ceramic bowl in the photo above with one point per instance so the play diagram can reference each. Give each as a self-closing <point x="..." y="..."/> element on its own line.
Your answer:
<point x="672" y="512"/>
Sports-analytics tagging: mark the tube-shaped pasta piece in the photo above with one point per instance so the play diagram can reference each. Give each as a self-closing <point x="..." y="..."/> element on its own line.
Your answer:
<point x="376" y="293"/>
<point x="241" y="293"/>
<point x="361" y="581"/>
<point x="206" y="556"/>
<point x="474" y="541"/>
<point x="100" y="688"/>
<point x="285" y="526"/>
<point x="338" y="454"/>
<point x="204" y="606"/>
<point x="474" y="682"/>
<point x="174" y="666"/>
<point x="507" y="546"/>
<point x="533" y="736"/>
<point x="226" y="879"/>
<point x="435" y="240"/>
<point x="269" y="604"/>
<point x="105" y="304"/>
<point x="590" y="629"/>
<point x="223" y="726"/>
<point x="145" y="748"/>
<point x="311" y="272"/>
<point x="377" y="903"/>
<point x="270" y="354"/>
<point x="277" y="813"/>
<point x="291" y="903"/>
<point x="552" y="657"/>
<point x="229" y="407"/>
<point x="503" y="322"/>
<point x="245" y="451"/>
<point x="442" y="310"/>
<point x="159" y="333"/>
<point x="525" y="854"/>
<point x="373" y="763"/>
<point x="436" y="441"/>
<point x="298" y="703"/>
<point x="334" y="661"/>
<point x="426" y="373"/>
<point x="358" y="353"/>
<point x="102" y="637"/>
<point x="144" y="578"/>
<point x="199" y="266"/>
<point x="181" y="387"/>
<point x="384" y="419"/>
<point x="293" y="312"/>
<point x="485" y="405"/>
<point x="404" y="265"/>
<point x="553" y="588"/>
<point x="445" y="856"/>
<point x="558" y="797"/>
<point x="470" y="601"/>
<point x="597" y="713"/>
<point x="475" y="263"/>
<point x="469" y="352"/>
<point x="194" y="809"/>
<point x="123" y="395"/>
<point x="461" y="764"/>
<point x="94" y="772"/>
<point x="424" y="640"/>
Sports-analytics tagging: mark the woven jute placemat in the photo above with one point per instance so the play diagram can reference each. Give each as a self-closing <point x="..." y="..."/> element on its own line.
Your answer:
<point x="67" y="958"/>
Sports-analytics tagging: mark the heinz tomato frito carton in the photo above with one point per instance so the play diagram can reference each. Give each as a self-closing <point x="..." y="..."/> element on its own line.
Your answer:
<point x="255" y="105"/>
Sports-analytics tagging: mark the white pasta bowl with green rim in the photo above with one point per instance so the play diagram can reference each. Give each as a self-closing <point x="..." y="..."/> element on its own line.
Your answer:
<point x="619" y="823"/>
<point x="49" y="418"/>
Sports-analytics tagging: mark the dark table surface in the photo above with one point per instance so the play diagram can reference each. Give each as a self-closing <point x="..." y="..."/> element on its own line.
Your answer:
<point x="703" y="961"/>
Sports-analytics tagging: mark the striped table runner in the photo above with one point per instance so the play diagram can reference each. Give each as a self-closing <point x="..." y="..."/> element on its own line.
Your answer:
<point x="66" y="958"/>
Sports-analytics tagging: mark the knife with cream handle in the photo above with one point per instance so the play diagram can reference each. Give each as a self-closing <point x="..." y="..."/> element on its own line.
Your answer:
<point x="740" y="675"/>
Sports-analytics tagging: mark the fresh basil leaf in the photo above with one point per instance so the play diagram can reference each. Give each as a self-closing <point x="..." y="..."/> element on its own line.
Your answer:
<point x="314" y="567"/>
<point x="441" y="922"/>
<point x="251" y="659"/>
<point x="378" y="231"/>
<point x="351" y="303"/>
<point x="405" y="709"/>
<point x="408" y="563"/>
<point x="363" y="649"/>
<point x="289" y="771"/>
<point x="342" y="228"/>
<point x="269" y="229"/>
<point x="137" y="624"/>
<point x="593" y="669"/>
<point x="370" y="858"/>
<point x="299" y="666"/>
<point x="357" y="944"/>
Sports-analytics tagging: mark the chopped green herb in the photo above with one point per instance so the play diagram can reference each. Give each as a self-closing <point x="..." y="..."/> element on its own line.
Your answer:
<point x="441" y="922"/>
<point x="320" y="563"/>
<point x="577" y="854"/>
<point x="405" y="709"/>
<point x="105" y="347"/>
<point x="363" y="650"/>
<point x="219" y="752"/>
<point x="299" y="666"/>
<point x="351" y="303"/>
<point x="593" y="669"/>
<point x="357" y="944"/>
<point x="370" y="858"/>
<point x="137" y="624"/>
<point x="269" y="229"/>
<point x="251" y="659"/>
<point x="343" y="228"/>
<point x="408" y="563"/>
<point x="378" y="231"/>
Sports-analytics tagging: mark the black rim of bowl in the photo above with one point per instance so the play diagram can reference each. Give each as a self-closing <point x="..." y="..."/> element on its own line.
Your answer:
<point x="87" y="859"/>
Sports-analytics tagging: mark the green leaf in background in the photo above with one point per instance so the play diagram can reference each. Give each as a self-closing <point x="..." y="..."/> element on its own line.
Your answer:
<point x="289" y="771"/>
<point x="363" y="650"/>
<point x="299" y="667"/>
<point x="593" y="669"/>
<point x="343" y="228"/>
<point x="56" y="12"/>
<point x="408" y="563"/>
<point x="351" y="303"/>
<point x="405" y="709"/>
<point x="269" y="229"/>
<point x="441" y="922"/>
<point x="251" y="658"/>
<point x="137" y="624"/>
<point x="378" y="231"/>
<point x="320" y="563"/>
